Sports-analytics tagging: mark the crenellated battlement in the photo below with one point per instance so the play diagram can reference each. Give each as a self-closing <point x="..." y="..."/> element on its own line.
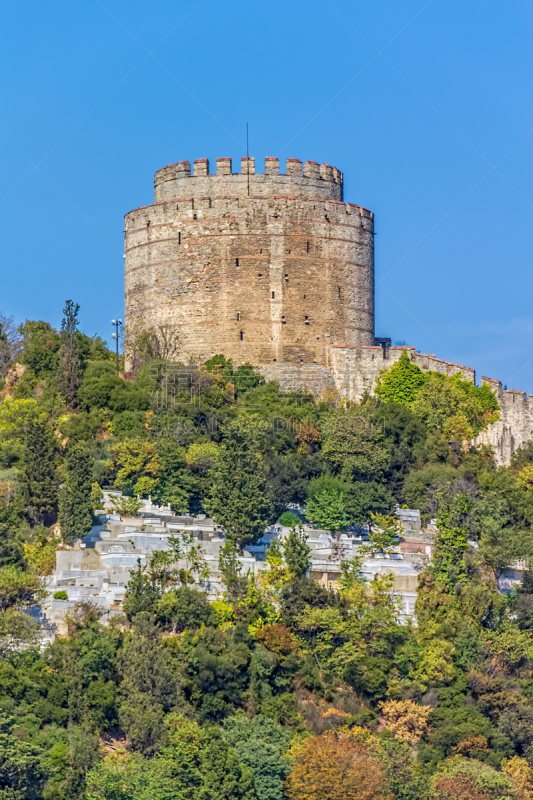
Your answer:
<point x="301" y="179"/>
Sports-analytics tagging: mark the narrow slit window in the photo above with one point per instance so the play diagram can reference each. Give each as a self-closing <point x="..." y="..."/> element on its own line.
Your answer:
<point x="283" y="319"/>
<point x="148" y="224"/>
<point x="307" y="320"/>
<point x="179" y="237"/>
<point x="195" y="216"/>
<point x="238" y="316"/>
<point x="273" y="295"/>
<point x="236" y="262"/>
<point x="241" y="334"/>
<point x="287" y="277"/>
<point x="308" y="246"/>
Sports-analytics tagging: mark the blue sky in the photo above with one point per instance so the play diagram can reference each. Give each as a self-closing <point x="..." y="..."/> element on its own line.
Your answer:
<point x="425" y="106"/>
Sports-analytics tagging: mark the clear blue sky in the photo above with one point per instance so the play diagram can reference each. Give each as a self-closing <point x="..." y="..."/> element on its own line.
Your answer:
<point x="425" y="106"/>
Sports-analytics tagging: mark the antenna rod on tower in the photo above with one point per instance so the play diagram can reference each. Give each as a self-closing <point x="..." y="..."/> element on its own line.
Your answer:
<point x="247" y="160"/>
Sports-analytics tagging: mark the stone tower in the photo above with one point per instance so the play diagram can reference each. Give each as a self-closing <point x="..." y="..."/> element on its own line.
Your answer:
<point x="265" y="268"/>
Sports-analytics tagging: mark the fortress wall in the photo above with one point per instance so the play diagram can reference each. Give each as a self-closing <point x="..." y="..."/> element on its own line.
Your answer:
<point x="264" y="278"/>
<point x="355" y="372"/>
<point x="515" y="426"/>
<point x="356" y="369"/>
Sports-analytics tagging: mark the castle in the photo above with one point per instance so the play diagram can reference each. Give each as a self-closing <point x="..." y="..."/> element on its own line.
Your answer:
<point x="276" y="270"/>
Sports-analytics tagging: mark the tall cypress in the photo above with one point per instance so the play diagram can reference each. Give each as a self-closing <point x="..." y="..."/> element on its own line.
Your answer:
<point x="69" y="355"/>
<point x="38" y="477"/>
<point x="75" y="515"/>
<point x="239" y="499"/>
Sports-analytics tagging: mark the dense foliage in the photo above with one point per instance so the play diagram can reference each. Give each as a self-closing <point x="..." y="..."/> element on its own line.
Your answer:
<point x="280" y="688"/>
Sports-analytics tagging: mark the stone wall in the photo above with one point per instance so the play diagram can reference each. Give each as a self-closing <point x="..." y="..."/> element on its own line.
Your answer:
<point x="355" y="369"/>
<point x="264" y="268"/>
<point x="515" y="426"/>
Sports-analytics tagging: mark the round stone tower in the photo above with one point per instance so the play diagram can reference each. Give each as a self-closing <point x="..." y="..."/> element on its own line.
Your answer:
<point x="263" y="268"/>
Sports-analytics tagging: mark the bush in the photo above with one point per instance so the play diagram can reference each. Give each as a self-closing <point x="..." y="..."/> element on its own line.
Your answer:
<point x="61" y="596"/>
<point x="289" y="520"/>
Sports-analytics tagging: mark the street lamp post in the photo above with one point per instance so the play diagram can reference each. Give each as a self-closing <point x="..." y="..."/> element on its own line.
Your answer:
<point x="116" y="323"/>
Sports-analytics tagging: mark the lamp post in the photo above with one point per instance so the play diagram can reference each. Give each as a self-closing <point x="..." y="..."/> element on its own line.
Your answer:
<point x="116" y="323"/>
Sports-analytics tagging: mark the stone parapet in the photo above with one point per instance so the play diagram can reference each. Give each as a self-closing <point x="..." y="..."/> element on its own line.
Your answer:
<point x="308" y="180"/>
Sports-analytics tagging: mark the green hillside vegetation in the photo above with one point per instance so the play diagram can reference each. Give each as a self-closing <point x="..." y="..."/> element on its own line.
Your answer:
<point x="280" y="690"/>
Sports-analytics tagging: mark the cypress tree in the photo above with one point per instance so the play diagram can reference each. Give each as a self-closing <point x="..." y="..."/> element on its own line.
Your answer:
<point x="240" y="493"/>
<point x="69" y="356"/>
<point x="75" y="506"/>
<point x="38" y="478"/>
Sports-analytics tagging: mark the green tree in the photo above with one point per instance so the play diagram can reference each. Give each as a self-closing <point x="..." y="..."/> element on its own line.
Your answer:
<point x="38" y="477"/>
<point x="22" y="776"/>
<point x="231" y="569"/>
<point x="260" y="744"/>
<point x="296" y="552"/>
<point x="69" y="356"/>
<point x="149" y="687"/>
<point x="239" y="498"/>
<point x="19" y="590"/>
<point x="455" y="408"/>
<point x="402" y="382"/>
<point x="468" y="779"/>
<point x="40" y="348"/>
<point x="183" y="608"/>
<point x="196" y="764"/>
<point x="353" y="445"/>
<point x="327" y="510"/>
<point x="75" y="501"/>
<point x="136" y="465"/>
<point x="15" y="415"/>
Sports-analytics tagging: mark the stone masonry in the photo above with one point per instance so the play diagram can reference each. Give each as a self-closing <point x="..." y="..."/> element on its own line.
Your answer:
<point x="265" y="268"/>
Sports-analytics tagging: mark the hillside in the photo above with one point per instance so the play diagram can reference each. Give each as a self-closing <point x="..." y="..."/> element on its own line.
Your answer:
<point x="280" y="688"/>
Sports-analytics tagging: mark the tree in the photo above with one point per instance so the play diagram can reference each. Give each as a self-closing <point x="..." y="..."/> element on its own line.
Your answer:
<point x="260" y="744"/>
<point x="183" y="608"/>
<point x="150" y="685"/>
<point x="231" y="569"/>
<point x="353" y="445"/>
<point x="40" y="348"/>
<point x="19" y="590"/>
<point x="75" y="500"/>
<point x="136" y="465"/>
<point x="365" y="498"/>
<point x="196" y="764"/>
<point x="15" y="415"/>
<point x="384" y="535"/>
<point x="402" y="382"/>
<point x="239" y="498"/>
<point x="22" y="776"/>
<point x="468" y="779"/>
<point x="454" y="407"/>
<point x="327" y="510"/>
<point x="38" y="478"/>
<point x="333" y="767"/>
<point x="296" y="552"/>
<point x="126" y="506"/>
<point x="69" y="356"/>
<point x="405" y="719"/>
